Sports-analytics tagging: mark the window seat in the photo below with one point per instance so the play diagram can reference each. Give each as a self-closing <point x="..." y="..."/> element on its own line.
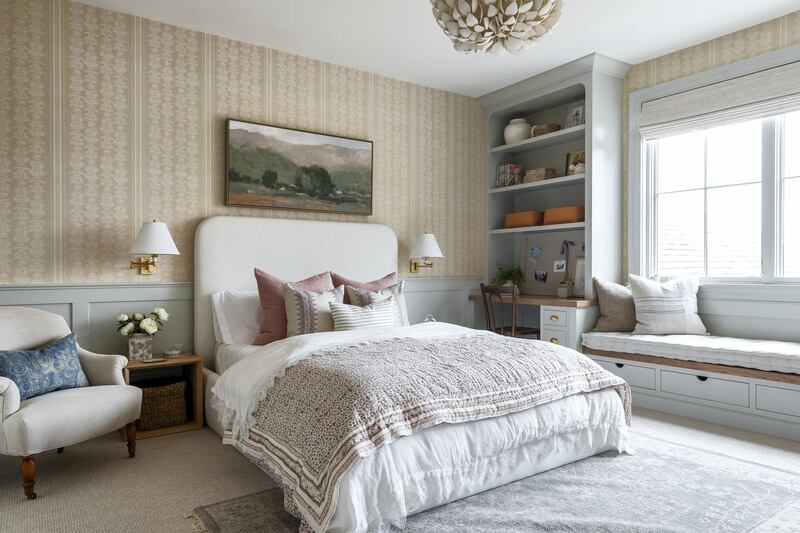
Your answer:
<point x="771" y="356"/>
<point x="751" y="384"/>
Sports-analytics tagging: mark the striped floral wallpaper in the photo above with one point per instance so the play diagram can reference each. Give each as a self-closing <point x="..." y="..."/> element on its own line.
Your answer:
<point x="750" y="42"/>
<point x="113" y="119"/>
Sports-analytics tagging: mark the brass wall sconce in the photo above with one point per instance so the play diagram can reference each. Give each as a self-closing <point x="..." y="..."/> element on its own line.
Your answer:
<point x="152" y="240"/>
<point x="425" y="250"/>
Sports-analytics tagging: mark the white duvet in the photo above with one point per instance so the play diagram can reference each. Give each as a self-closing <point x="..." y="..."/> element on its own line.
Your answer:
<point x="439" y="464"/>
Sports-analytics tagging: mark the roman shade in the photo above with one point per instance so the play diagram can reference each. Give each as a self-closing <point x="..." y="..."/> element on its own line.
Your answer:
<point x="759" y="94"/>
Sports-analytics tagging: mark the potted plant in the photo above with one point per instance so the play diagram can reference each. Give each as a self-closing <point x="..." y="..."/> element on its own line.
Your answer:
<point x="139" y="329"/>
<point x="504" y="276"/>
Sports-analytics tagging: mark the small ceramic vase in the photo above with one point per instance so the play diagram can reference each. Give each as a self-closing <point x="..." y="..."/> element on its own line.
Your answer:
<point x="517" y="130"/>
<point x="140" y="346"/>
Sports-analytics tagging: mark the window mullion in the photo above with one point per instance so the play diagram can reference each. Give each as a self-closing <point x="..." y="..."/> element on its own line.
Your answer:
<point x="705" y="205"/>
<point x="778" y="202"/>
<point x="650" y="246"/>
<point x="770" y="263"/>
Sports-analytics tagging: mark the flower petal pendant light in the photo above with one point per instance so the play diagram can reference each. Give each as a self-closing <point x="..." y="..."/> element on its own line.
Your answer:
<point x="495" y="26"/>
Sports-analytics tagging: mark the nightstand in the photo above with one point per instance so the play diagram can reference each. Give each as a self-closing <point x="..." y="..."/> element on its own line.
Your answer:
<point x="192" y="369"/>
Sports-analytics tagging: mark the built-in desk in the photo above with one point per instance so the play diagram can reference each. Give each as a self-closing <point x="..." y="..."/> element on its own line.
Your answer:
<point x="561" y="320"/>
<point x="536" y="299"/>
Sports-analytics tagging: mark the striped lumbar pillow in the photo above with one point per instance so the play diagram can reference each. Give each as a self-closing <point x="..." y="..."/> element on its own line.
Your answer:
<point x="347" y="317"/>
<point x="666" y="308"/>
<point x="364" y="297"/>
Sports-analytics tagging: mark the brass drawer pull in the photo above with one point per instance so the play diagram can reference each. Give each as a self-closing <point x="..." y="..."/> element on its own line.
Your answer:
<point x="554" y="318"/>
<point x="554" y="340"/>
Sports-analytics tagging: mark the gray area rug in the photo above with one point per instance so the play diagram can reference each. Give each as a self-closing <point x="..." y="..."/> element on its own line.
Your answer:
<point x="664" y="487"/>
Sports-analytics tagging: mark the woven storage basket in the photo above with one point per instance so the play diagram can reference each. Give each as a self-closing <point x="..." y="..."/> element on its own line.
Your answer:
<point x="163" y="406"/>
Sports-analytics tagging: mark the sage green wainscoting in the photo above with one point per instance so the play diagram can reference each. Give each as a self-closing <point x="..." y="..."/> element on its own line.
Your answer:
<point x="91" y="310"/>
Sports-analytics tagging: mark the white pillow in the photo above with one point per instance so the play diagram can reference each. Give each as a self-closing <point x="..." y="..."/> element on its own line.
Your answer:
<point x="309" y="311"/>
<point x="237" y="316"/>
<point x="666" y="308"/>
<point x="347" y="317"/>
<point x="364" y="297"/>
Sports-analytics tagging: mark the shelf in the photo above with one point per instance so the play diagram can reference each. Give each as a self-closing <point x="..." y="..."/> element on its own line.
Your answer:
<point x="540" y="229"/>
<point x="541" y="185"/>
<point x="548" y="139"/>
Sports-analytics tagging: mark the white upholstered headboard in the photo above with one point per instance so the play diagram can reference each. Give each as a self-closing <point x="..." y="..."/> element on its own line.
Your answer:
<point x="227" y="248"/>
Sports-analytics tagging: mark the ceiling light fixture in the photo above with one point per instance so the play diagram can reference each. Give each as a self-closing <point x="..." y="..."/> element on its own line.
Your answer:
<point x="496" y="25"/>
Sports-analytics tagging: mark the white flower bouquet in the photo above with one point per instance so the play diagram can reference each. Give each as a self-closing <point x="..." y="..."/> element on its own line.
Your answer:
<point x="140" y="323"/>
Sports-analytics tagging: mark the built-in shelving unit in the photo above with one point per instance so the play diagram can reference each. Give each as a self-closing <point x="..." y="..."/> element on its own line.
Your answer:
<point x="542" y="141"/>
<point x="540" y="185"/>
<point x="543" y="99"/>
<point x="540" y="229"/>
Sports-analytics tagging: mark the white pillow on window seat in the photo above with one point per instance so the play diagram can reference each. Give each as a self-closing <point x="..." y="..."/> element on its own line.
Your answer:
<point x="666" y="308"/>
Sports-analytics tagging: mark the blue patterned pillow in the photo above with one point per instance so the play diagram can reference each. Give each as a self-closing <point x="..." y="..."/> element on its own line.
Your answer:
<point x="49" y="368"/>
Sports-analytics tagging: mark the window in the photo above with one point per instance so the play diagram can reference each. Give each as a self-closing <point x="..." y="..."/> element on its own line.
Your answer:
<point x="722" y="202"/>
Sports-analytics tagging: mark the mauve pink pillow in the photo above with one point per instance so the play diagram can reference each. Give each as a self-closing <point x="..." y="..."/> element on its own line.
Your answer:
<point x="386" y="281"/>
<point x="273" y="304"/>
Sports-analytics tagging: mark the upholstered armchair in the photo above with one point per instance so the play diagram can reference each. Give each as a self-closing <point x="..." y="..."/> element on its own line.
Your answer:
<point x="64" y="417"/>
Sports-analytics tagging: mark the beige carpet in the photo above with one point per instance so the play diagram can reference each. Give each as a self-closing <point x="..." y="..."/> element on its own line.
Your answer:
<point x="93" y="487"/>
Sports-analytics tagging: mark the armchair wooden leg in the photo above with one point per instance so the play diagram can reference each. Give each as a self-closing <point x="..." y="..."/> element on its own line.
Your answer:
<point x="28" y="471"/>
<point x="130" y="435"/>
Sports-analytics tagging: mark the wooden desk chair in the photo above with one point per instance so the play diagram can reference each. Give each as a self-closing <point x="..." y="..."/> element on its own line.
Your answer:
<point x="493" y="294"/>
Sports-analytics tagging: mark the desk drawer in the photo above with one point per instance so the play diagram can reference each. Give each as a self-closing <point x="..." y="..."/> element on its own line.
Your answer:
<point x="706" y="388"/>
<point x="778" y="400"/>
<point x="634" y="375"/>
<point x="556" y="336"/>
<point x="553" y="317"/>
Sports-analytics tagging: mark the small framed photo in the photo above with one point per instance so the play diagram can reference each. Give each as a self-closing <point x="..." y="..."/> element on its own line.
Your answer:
<point x="576" y="114"/>
<point x="576" y="163"/>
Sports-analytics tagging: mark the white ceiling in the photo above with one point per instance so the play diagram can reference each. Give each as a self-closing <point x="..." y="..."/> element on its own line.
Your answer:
<point x="399" y="38"/>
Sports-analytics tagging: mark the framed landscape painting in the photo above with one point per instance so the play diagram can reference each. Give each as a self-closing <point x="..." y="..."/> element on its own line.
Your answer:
<point x="284" y="168"/>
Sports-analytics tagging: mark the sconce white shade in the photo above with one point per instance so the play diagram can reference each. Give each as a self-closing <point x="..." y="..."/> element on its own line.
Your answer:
<point x="426" y="246"/>
<point x="154" y="239"/>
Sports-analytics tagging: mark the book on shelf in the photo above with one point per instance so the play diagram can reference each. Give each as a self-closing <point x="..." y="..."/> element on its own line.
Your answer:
<point x="508" y="175"/>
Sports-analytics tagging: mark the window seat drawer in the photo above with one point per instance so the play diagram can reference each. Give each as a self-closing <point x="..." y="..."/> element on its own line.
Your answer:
<point x="706" y="388"/>
<point x="634" y="375"/>
<point x="777" y="400"/>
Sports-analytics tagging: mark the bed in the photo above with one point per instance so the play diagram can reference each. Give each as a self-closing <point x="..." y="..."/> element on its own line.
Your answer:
<point x="445" y="453"/>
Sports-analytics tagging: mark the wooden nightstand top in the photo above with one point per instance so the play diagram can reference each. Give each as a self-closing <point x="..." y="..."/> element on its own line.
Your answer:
<point x="184" y="359"/>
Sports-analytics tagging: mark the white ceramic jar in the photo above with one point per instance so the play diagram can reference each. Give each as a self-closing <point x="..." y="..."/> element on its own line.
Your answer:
<point x="517" y="130"/>
<point x="140" y="346"/>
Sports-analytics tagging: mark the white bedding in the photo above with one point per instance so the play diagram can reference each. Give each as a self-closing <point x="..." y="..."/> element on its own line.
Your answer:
<point x="439" y="464"/>
<point x="228" y="355"/>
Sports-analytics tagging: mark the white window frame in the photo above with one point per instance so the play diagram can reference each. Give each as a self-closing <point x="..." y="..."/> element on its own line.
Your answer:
<point x="641" y="216"/>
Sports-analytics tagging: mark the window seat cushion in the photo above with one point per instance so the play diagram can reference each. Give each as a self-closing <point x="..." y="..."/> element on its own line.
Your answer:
<point x="773" y="356"/>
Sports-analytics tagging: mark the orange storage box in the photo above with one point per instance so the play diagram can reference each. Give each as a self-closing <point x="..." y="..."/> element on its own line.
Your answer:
<point x="564" y="215"/>
<point x="523" y="219"/>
